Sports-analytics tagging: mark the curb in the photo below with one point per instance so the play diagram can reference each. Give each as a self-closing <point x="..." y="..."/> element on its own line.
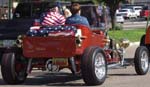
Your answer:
<point x="134" y="43"/>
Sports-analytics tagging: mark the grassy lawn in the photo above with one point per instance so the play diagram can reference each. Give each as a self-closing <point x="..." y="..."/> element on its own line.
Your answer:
<point x="133" y="35"/>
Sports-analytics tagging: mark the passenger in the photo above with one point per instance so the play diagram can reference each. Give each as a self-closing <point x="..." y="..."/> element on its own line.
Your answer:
<point x="66" y="11"/>
<point x="50" y="18"/>
<point x="53" y="17"/>
<point x="76" y="18"/>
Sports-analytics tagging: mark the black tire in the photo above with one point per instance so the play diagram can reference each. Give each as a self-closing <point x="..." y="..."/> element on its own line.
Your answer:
<point x="146" y="18"/>
<point x="141" y="60"/>
<point x="142" y="41"/>
<point x="13" y="68"/>
<point x="122" y="22"/>
<point x="88" y="69"/>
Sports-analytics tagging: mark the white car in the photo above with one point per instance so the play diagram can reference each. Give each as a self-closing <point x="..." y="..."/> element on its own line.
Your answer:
<point x="119" y="18"/>
<point x="127" y="13"/>
<point x="137" y="10"/>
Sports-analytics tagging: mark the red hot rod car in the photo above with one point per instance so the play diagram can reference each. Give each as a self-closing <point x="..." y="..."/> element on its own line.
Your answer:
<point x="88" y="52"/>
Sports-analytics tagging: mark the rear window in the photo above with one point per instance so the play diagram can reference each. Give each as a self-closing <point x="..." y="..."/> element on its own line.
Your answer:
<point x="118" y="15"/>
<point x="138" y="8"/>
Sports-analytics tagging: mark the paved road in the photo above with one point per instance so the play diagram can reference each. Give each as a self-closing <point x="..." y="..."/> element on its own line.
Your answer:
<point x="134" y="25"/>
<point x="115" y="78"/>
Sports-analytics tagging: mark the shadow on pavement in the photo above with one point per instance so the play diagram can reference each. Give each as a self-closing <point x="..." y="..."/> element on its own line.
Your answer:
<point x="122" y="74"/>
<point x="48" y="79"/>
<point x="57" y="79"/>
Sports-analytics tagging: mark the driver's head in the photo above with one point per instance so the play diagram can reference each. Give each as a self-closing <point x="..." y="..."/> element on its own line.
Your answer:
<point x="75" y="8"/>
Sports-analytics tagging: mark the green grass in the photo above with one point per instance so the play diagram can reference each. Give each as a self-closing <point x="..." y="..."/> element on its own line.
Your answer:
<point x="133" y="35"/>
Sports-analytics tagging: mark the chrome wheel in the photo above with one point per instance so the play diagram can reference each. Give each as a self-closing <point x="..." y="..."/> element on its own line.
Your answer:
<point x="94" y="66"/>
<point x="100" y="66"/>
<point x="141" y="60"/>
<point x="144" y="60"/>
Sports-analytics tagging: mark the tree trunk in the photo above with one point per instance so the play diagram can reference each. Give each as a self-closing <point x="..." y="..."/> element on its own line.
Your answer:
<point x="113" y="24"/>
<point x="113" y="20"/>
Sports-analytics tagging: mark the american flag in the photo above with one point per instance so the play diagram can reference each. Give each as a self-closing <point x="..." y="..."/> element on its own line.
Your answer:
<point x="52" y="18"/>
<point x="65" y="30"/>
<point x="52" y="24"/>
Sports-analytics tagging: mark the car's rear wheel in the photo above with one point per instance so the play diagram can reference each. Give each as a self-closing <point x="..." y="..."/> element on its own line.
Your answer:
<point x="94" y="66"/>
<point x="141" y="60"/>
<point x="13" y="68"/>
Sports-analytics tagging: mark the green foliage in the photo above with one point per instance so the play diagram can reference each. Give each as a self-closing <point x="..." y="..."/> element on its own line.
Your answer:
<point x="118" y="27"/>
<point x="133" y="35"/>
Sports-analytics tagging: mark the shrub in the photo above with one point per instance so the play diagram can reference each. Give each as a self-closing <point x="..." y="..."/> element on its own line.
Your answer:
<point x="118" y="27"/>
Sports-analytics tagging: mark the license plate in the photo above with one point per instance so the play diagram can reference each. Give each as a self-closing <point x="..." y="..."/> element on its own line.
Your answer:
<point x="60" y="61"/>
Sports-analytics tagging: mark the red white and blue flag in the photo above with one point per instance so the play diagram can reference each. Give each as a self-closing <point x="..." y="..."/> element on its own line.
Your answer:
<point x="52" y="24"/>
<point x="52" y="18"/>
<point x="59" y="30"/>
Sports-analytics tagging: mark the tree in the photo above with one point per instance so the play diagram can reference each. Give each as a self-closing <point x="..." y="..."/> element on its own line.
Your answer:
<point x="113" y="5"/>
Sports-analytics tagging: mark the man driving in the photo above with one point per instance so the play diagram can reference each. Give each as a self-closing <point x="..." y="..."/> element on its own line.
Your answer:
<point x="76" y="18"/>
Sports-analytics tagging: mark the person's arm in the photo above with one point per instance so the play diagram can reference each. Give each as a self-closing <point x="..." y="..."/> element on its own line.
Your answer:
<point x="86" y="22"/>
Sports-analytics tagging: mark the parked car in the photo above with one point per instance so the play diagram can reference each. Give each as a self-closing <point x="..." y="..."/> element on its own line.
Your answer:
<point x="127" y="13"/>
<point x="119" y="18"/>
<point x="145" y="13"/>
<point x="137" y="10"/>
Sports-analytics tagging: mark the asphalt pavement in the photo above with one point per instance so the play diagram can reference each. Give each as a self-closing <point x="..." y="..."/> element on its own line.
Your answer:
<point x="134" y="25"/>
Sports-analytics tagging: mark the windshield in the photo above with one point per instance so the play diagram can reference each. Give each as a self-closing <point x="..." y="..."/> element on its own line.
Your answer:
<point x="122" y="10"/>
<point x="118" y="15"/>
<point x="138" y="8"/>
